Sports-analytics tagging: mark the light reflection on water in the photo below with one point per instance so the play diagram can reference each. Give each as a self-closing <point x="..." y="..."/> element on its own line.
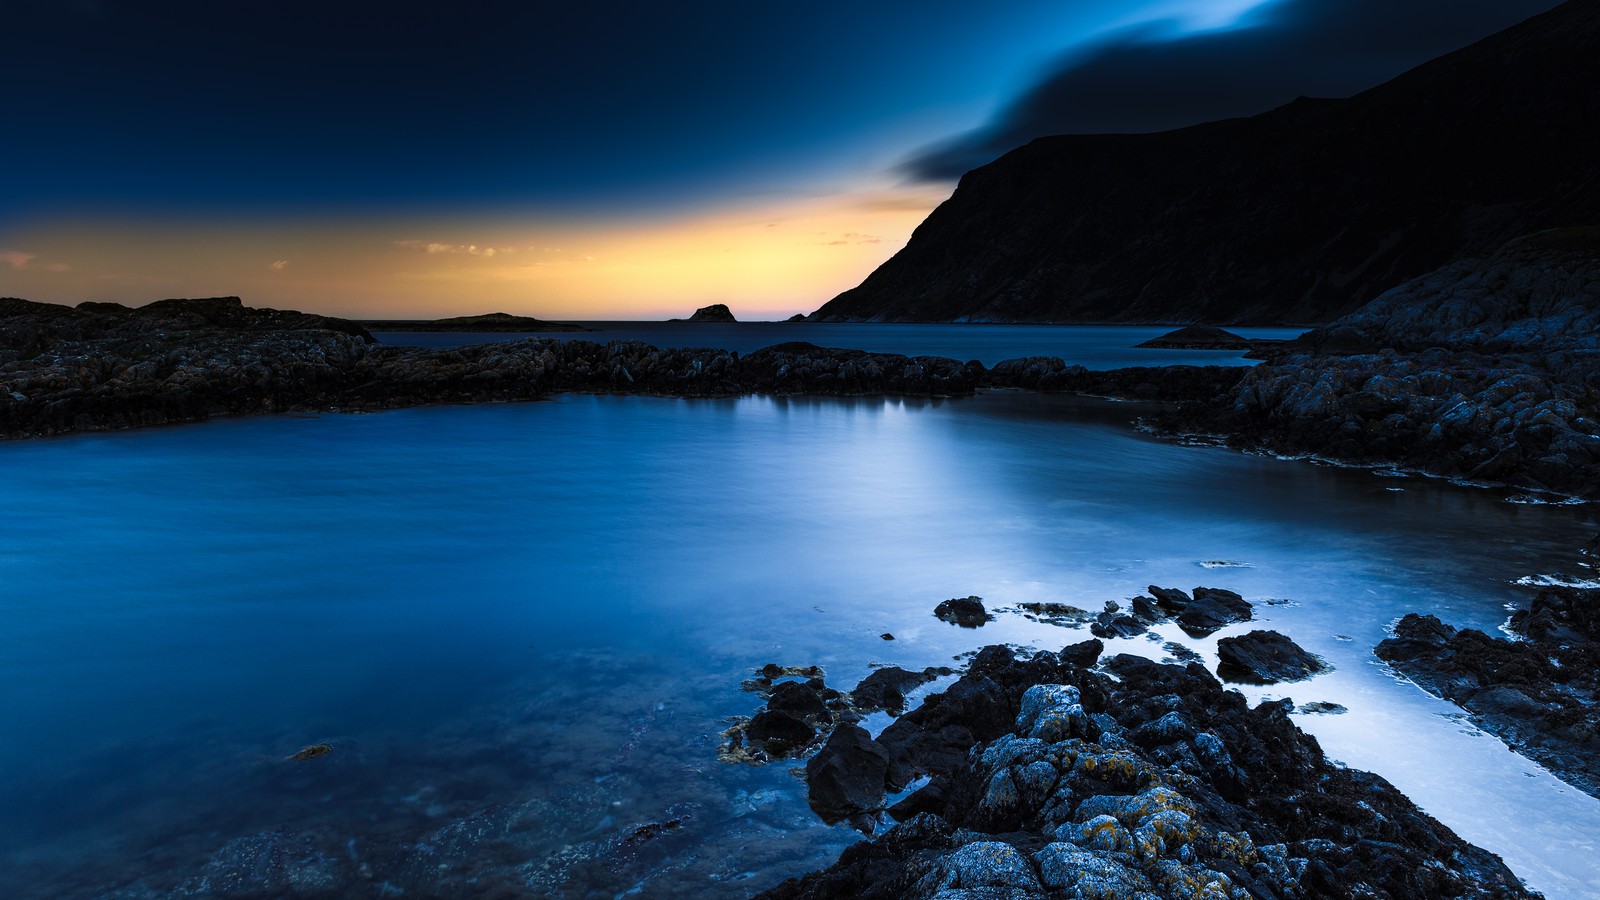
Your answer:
<point x="522" y="626"/>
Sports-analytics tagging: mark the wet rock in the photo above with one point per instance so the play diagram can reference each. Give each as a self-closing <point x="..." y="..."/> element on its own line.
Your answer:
<point x="1154" y="783"/>
<point x="1212" y="609"/>
<point x="1265" y="657"/>
<point x="779" y="730"/>
<point x="846" y="777"/>
<point x="801" y="699"/>
<point x="312" y="752"/>
<point x="885" y="688"/>
<point x="967" y="612"/>
<point x="1541" y="695"/>
<point x="1321" y="708"/>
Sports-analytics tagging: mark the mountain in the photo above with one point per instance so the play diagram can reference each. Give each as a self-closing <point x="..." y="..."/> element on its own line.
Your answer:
<point x="1297" y="215"/>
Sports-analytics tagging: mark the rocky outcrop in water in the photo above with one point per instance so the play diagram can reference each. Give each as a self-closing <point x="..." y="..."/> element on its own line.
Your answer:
<point x="1300" y="214"/>
<point x="105" y="366"/>
<point x="1540" y="695"/>
<point x="1213" y="384"/>
<point x="1200" y="337"/>
<point x="1052" y="780"/>
<point x="716" y="312"/>
<point x="1265" y="657"/>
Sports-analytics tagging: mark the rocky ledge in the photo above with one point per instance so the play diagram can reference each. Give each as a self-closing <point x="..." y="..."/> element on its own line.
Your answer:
<point x="104" y="366"/>
<point x="1486" y="370"/>
<point x="1541" y="694"/>
<point x="1051" y="777"/>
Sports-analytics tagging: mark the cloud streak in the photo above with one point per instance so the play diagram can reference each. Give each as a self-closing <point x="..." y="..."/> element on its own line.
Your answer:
<point x="1154" y="77"/>
<point x="434" y="247"/>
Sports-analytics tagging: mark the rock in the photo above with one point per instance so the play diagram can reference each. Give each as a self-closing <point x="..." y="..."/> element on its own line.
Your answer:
<point x="716" y="312"/>
<point x="801" y="699"/>
<point x="1541" y="696"/>
<point x="1148" y="781"/>
<point x="1198" y="337"/>
<point x="1321" y="708"/>
<point x="967" y="612"/>
<point x="315" y="751"/>
<point x="846" y="777"/>
<point x="885" y="688"/>
<point x="1211" y="609"/>
<point x="797" y="317"/>
<point x="886" y="636"/>
<point x="1265" y="657"/>
<point x="779" y="730"/>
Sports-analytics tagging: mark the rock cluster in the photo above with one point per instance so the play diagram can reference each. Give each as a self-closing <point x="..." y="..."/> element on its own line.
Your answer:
<point x="1050" y="779"/>
<point x="1209" y="610"/>
<point x="1540" y="695"/>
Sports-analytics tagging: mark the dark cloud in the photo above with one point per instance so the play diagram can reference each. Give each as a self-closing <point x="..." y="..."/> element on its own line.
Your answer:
<point x="1153" y="78"/>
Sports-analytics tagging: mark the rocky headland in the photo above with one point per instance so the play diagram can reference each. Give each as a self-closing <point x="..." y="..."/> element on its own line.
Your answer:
<point x="1297" y="215"/>
<point x="716" y="312"/>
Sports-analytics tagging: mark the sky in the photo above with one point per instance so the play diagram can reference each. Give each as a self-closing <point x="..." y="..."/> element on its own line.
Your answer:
<point x="605" y="160"/>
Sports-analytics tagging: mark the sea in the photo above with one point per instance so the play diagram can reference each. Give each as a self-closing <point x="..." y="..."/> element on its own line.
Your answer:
<point x="521" y="629"/>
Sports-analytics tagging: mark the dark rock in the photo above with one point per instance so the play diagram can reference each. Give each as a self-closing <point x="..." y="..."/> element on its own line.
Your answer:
<point x="1265" y="657"/>
<point x="846" y="777"/>
<point x="1294" y="215"/>
<point x="968" y="612"/>
<point x="1084" y="654"/>
<point x="777" y="727"/>
<point x="887" y="636"/>
<point x="1321" y="708"/>
<point x="799" y="699"/>
<point x="1053" y="780"/>
<point x="885" y="688"/>
<point x="1541" y="696"/>
<point x="797" y="317"/>
<point x="1171" y="599"/>
<point x="1198" y="337"/>
<point x="716" y="312"/>
<point x="1211" y="609"/>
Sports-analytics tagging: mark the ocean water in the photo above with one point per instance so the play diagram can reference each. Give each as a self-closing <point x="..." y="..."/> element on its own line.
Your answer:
<point x="523" y="627"/>
<point x="1091" y="346"/>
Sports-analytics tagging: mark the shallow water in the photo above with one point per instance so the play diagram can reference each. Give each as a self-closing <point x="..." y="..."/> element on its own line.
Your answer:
<point x="1091" y="346"/>
<point x="522" y="627"/>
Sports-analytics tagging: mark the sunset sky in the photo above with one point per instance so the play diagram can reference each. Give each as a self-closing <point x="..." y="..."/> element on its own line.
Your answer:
<point x="601" y="160"/>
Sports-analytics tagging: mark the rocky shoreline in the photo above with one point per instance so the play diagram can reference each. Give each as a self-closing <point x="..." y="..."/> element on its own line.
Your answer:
<point x="1067" y="774"/>
<point x="1539" y="693"/>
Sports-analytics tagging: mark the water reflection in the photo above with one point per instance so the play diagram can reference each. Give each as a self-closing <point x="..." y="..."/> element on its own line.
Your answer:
<point x="522" y="626"/>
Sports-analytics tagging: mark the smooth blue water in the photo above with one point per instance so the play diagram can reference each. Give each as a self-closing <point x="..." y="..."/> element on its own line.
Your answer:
<point x="522" y="627"/>
<point x="1091" y="346"/>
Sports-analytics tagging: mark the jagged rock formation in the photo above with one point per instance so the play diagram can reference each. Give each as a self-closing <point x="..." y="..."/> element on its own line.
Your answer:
<point x="1052" y="780"/>
<point x="1540" y="695"/>
<point x="1297" y="215"/>
<point x="1487" y="370"/>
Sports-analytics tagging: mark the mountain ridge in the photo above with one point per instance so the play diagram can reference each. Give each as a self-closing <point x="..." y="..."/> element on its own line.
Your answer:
<point x="1297" y="215"/>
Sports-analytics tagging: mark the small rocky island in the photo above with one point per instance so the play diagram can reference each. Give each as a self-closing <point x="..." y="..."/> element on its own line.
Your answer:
<point x="716" y="312"/>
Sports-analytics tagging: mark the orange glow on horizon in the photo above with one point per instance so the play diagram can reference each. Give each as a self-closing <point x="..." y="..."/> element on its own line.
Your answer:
<point x="764" y="262"/>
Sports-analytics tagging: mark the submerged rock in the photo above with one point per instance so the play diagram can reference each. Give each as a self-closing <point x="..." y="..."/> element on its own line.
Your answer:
<point x="1265" y="657"/>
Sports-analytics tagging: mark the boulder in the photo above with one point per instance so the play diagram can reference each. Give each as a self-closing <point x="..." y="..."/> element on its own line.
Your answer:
<point x="1265" y="657"/>
<point x="967" y="612"/>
